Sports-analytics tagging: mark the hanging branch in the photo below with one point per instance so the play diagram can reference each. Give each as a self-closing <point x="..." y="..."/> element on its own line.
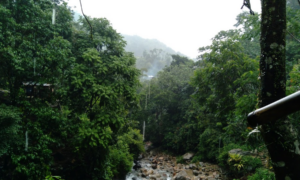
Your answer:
<point x="293" y="35"/>
<point x="299" y="2"/>
<point x="87" y="20"/>
<point x="247" y="4"/>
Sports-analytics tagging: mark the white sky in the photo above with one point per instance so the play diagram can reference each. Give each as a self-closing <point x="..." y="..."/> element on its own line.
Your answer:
<point x="182" y="25"/>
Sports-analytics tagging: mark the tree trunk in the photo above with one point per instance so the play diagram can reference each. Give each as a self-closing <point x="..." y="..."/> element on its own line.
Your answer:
<point x="279" y="136"/>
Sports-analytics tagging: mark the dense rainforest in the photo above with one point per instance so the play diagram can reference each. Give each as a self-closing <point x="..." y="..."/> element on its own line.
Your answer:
<point x="74" y="100"/>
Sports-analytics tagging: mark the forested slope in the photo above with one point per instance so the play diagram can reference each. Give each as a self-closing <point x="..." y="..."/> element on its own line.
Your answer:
<point x="202" y="106"/>
<point x="67" y="92"/>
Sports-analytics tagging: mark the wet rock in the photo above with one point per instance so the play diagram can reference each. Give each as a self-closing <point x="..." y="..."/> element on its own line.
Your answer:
<point x="211" y="178"/>
<point x="239" y="151"/>
<point x="141" y="156"/>
<point x="195" y="172"/>
<point x="150" y="171"/>
<point x="137" y="165"/>
<point x="192" y="166"/>
<point x="215" y="175"/>
<point x="202" y="178"/>
<point x="188" y="156"/>
<point x="201" y="164"/>
<point x="152" y="177"/>
<point x="182" y="175"/>
<point x="154" y="166"/>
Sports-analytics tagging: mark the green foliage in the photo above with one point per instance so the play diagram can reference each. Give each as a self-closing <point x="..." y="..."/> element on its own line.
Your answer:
<point x="197" y="158"/>
<point x="50" y="177"/>
<point x="75" y="126"/>
<point x="235" y="162"/>
<point x="223" y="156"/>
<point x="262" y="173"/>
<point x="250" y="163"/>
<point x="9" y="127"/>
<point x="180" y="159"/>
<point x="238" y="164"/>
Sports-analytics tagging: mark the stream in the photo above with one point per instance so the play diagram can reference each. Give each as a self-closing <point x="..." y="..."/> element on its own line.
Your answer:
<point x="146" y="171"/>
<point x="159" y="166"/>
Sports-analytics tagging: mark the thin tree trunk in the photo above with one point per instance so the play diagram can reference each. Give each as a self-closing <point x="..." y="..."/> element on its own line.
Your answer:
<point x="279" y="137"/>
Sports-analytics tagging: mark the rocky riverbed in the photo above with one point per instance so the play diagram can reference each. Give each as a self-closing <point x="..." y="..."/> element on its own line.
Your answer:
<point x="159" y="166"/>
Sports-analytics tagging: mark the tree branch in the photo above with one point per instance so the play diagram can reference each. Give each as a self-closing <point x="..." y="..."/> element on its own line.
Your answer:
<point x="87" y="20"/>
<point x="248" y="5"/>
<point x="293" y="35"/>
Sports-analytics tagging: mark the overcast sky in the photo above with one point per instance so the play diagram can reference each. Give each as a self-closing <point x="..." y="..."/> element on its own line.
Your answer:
<point x="182" y="25"/>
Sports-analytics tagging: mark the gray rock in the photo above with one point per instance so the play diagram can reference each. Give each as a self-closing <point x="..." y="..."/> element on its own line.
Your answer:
<point x="195" y="172"/>
<point x="239" y="151"/>
<point x="188" y="156"/>
<point x="193" y="166"/>
<point x="182" y="175"/>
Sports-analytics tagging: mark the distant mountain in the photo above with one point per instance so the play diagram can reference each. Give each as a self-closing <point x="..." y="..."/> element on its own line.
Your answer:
<point x="151" y="55"/>
<point x="138" y="45"/>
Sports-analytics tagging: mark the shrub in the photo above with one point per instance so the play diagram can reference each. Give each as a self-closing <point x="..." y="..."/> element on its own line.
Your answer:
<point x="223" y="156"/>
<point x="179" y="159"/>
<point x="261" y="173"/>
<point x="250" y="163"/>
<point x="197" y="158"/>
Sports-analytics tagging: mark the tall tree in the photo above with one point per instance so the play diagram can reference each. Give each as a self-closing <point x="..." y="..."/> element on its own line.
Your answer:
<point x="280" y="137"/>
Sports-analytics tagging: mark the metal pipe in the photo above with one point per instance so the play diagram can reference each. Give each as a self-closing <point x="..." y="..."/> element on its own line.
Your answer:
<point x="275" y="110"/>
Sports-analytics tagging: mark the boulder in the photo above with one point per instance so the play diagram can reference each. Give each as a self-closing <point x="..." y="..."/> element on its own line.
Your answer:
<point x="137" y="165"/>
<point x="239" y="151"/>
<point x="152" y="177"/>
<point x="188" y="156"/>
<point x="154" y="166"/>
<point x="192" y="166"/>
<point x="195" y="172"/>
<point x="182" y="175"/>
<point x="202" y="178"/>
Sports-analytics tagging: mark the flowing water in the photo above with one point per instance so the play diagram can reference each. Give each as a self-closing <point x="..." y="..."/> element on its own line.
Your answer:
<point x="145" y="164"/>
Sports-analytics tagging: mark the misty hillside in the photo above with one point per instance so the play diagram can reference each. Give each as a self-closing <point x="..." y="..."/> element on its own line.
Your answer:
<point x="151" y="54"/>
<point x="138" y="45"/>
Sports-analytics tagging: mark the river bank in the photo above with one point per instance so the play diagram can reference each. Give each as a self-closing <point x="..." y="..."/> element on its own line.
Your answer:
<point x="156" y="165"/>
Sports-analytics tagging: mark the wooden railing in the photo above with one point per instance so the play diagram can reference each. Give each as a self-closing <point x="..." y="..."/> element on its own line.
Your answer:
<point x="275" y="110"/>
